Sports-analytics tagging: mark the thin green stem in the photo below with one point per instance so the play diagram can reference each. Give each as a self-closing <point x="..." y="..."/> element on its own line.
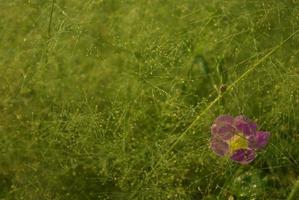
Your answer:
<point x="51" y="18"/>
<point x="295" y="192"/>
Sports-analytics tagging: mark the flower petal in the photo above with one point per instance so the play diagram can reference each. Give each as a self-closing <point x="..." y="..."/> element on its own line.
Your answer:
<point x="224" y="119"/>
<point x="260" y="140"/>
<point x="223" y="127"/>
<point x="243" y="156"/>
<point x="219" y="146"/>
<point x="246" y="126"/>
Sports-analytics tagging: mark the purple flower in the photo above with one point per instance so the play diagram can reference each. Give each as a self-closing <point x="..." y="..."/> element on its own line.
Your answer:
<point x="237" y="138"/>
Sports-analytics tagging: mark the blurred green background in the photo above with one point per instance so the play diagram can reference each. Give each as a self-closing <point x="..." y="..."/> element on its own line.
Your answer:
<point x="114" y="99"/>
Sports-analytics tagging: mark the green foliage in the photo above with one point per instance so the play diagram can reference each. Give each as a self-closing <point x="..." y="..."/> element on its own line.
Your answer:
<point x="113" y="99"/>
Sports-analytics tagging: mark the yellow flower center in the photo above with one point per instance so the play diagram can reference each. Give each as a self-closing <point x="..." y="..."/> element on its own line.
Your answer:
<point x="238" y="141"/>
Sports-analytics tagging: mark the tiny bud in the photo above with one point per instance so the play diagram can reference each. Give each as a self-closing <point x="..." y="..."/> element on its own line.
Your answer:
<point x="222" y="88"/>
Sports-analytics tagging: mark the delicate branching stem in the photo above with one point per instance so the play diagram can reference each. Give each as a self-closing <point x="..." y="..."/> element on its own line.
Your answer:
<point x="51" y="17"/>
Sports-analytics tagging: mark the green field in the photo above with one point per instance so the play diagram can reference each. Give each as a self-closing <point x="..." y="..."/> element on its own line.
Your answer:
<point x="114" y="99"/>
